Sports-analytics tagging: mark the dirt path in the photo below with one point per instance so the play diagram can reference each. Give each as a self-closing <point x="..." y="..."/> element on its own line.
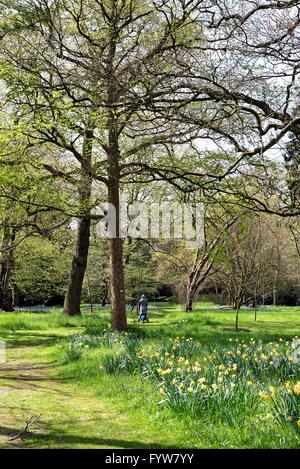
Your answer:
<point x="70" y="418"/>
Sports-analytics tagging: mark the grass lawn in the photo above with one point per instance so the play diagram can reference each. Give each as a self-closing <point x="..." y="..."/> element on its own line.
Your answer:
<point x="90" y="401"/>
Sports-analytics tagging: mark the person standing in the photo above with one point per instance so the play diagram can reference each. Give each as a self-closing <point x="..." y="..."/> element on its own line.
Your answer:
<point x="143" y="309"/>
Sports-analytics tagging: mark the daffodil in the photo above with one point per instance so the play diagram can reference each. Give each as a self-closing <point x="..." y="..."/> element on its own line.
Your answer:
<point x="272" y="390"/>
<point x="296" y="388"/>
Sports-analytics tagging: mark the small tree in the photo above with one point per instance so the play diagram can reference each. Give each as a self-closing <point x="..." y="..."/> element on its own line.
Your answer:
<point x="245" y="267"/>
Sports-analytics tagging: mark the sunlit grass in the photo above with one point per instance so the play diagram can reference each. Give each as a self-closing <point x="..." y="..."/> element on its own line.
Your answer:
<point x="83" y="406"/>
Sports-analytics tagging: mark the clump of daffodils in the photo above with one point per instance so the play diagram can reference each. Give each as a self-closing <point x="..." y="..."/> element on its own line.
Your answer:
<point x="262" y="375"/>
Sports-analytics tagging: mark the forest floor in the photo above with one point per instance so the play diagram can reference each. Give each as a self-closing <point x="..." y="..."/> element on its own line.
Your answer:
<point x="78" y="405"/>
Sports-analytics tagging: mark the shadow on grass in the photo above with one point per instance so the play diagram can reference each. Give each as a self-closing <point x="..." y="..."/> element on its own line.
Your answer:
<point x="211" y="332"/>
<point x="25" y="339"/>
<point x="58" y="440"/>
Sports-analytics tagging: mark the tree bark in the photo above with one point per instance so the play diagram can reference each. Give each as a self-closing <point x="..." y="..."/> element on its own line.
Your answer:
<point x="274" y="287"/>
<point x="104" y="298"/>
<point x="237" y="306"/>
<point x="190" y="290"/>
<point x="237" y="318"/>
<point x="118" y="305"/>
<point x="15" y="295"/>
<point x="6" y="265"/>
<point x="189" y="302"/>
<point x="78" y="268"/>
<point x="79" y="261"/>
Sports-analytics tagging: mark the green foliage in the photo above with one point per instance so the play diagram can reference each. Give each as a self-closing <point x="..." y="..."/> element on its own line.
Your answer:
<point x="139" y="272"/>
<point x="41" y="270"/>
<point x="77" y="346"/>
<point x="286" y="404"/>
<point x="126" y="359"/>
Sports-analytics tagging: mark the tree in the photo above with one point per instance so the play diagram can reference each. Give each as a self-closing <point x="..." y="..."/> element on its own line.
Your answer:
<point x="41" y="270"/>
<point x="246" y="263"/>
<point x="115" y="81"/>
<point x="6" y="264"/>
<point x="205" y="264"/>
<point x="98" y="87"/>
<point x="292" y="163"/>
<point x="25" y="210"/>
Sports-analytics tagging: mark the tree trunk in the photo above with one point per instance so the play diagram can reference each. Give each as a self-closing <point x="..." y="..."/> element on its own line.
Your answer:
<point x="191" y="290"/>
<point x="6" y="266"/>
<point x="6" y="299"/>
<point x="78" y="268"/>
<point x="104" y="298"/>
<point x="79" y="261"/>
<point x="190" y="293"/>
<point x="15" y="295"/>
<point x="118" y="309"/>
<point x="274" y="288"/>
<point x="237" y="319"/>
<point x="189" y="302"/>
<point x="118" y="306"/>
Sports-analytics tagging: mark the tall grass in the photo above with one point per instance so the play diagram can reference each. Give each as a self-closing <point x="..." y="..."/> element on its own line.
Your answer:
<point x="40" y="320"/>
